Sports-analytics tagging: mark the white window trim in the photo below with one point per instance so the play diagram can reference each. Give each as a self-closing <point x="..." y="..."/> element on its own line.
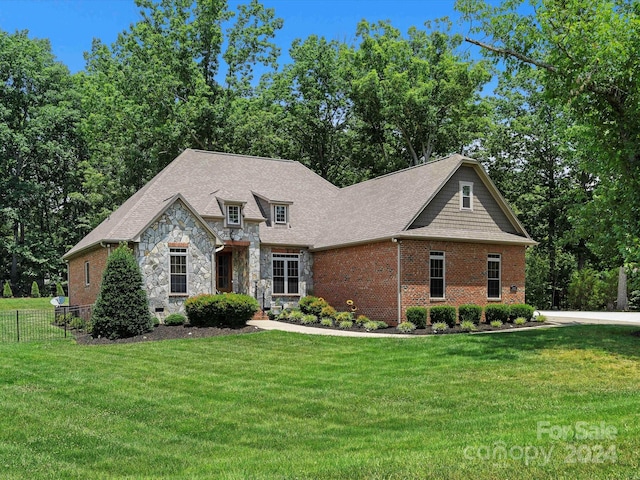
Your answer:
<point x="470" y="185"/>
<point x="438" y="255"/>
<point x="87" y="274"/>
<point x="228" y="215"/>
<point x="495" y="257"/>
<point x="286" y="214"/>
<point x="286" y="257"/>
<point x="173" y="252"/>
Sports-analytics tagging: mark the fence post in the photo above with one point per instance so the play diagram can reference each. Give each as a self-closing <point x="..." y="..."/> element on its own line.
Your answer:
<point x="18" y="324"/>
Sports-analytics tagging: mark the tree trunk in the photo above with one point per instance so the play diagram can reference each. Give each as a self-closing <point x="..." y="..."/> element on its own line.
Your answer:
<point x="622" y="290"/>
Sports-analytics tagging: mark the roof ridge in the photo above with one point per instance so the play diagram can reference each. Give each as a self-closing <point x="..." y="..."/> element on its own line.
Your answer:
<point x="412" y="167"/>
<point x="241" y="155"/>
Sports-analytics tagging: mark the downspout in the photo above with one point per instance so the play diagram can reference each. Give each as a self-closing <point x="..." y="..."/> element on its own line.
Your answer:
<point x="399" y="271"/>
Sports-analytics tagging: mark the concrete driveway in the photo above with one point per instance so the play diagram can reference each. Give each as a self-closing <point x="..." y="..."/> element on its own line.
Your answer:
<point x="598" y="318"/>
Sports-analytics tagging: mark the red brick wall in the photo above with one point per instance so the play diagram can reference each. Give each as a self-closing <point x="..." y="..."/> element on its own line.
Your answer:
<point x="366" y="274"/>
<point x="465" y="273"/>
<point x="79" y="293"/>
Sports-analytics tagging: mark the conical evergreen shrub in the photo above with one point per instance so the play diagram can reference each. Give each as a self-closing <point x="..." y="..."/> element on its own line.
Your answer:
<point x="122" y="308"/>
<point x="6" y="291"/>
<point x="35" y="290"/>
<point x="59" y="290"/>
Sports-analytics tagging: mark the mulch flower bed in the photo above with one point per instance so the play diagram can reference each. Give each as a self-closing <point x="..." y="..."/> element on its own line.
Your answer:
<point x="166" y="332"/>
<point x="482" y="327"/>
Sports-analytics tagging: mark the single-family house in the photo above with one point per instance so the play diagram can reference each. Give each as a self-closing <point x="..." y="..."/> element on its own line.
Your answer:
<point x="436" y="233"/>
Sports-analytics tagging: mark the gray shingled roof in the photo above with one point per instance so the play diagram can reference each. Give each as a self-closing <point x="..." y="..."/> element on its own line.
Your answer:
<point x="321" y="215"/>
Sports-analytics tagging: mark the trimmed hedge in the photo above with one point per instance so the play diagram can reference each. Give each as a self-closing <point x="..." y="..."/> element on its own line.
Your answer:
<point x="223" y="310"/>
<point x="417" y="316"/>
<point x="175" y="319"/>
<point x="521" y="310"/>
<point x="470" y="313"/>
<point x="443" y="313"/>
<point x="497" y="311"/>
<point x="311" y="305"/>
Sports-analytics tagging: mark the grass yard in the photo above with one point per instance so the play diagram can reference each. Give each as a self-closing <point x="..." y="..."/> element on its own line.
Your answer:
<point x="278" y="405"/>
<point x="34" y="319"/>
<point x="25" y="304"/>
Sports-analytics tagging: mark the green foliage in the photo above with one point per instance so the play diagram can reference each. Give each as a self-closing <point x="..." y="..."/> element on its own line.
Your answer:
<point x="77" y="323"/>
<point x="540" y="318"/>
<point x="311" y="305"/>
<point x="521" y="310"/>
<point x="271" y="315"/>
<point x="443" y="313"/>
<point x="35" y="290"/>
<point x="326" y="321"/>
<point x="496" y="323"/>
<point x="309" y="319"/>
<point x="468" y="326"/>
<point x="59" y="290"/>
<point x="175" y="319"/>
<point x="296" y="316"/>
<point x="361" y="320"/>
<point x="345" y="324"/>
<point x="284" y="314"/>
<point x="328" y="312"/>
<point x="155" y="321"/>
<point x="344" y="317"/>
<point x="223" y="310"/>
<point x="6" y="290"/>
<point x="121" y="309"/>
<point x="406" y="327"/>
<point x="520" y="321"/>
<point x="471" y="313"/>
<point x="418" y="316"/>
<point x="439" y="327"/>
<point x="592" y="290"/>
<point x="497" y="311"/>
<point x="371" y="325"/>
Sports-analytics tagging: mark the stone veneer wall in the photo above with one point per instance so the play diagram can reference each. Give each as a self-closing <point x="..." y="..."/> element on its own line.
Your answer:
<point x="176" y="225"/>
<point x="265" y="284"/>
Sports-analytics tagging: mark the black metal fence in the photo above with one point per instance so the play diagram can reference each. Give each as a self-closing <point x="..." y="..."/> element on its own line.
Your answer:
<point x="30" y="325"/>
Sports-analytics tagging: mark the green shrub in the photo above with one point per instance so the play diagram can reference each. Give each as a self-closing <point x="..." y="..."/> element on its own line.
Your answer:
<point x="521" y="310"/>
<point x="296" y="316"/>
<point x="439" y="327"/>
<point x="417" y="316"/>
<point x="223" y="310"/>
<point x="361" y="320"/>
<point x="121" y="309"/>
<point x="326" y="321"/>
<point x="520" y="321"/>
<point x="634" y="300"/>
<point x="443" y="313"/>
<point x="592" y="290"/>
<point x="496" y="323"/>
<point x="311" y="305"/>
<point x="77" y="323"/>
<point x="284" y="314"/>
<point x="175" y="319"/>
<point x="155" y="321"/>
<point x="6" y="291"/>
<point x="371" y="325"/>
<point x="35" y="290"/>
<point x="540" y="318"/>
<point x="59" y="290"/>
<point x="468" y="326"/>
<point x="344" y="317"/>
<point x="328" y="312"/>
<point x="345" y="324"/>
<point x="406" y="327"/>
<point x="382" y="324"/>
<point x="471" y="313"/>
<point x="271" y="315"/>
<point x="497" y="311"/>
<point x="309" y="319"/>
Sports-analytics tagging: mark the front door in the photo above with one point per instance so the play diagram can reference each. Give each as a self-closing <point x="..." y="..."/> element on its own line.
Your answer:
<point x="223" y="277"/>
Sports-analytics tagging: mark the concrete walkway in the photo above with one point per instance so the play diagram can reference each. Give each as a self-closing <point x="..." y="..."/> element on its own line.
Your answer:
<point x="597" y="318"/>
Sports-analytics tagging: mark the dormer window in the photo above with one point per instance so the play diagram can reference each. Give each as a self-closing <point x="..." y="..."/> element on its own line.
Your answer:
<point x="466" y="195"/>
<point x="233" y="215"/>
<point x="281" y="214"/>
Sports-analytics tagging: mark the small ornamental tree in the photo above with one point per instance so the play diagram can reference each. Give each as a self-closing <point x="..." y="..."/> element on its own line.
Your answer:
<point x="35" y="290"/>
<point x="6" y="291"/>
<point x="122" y="308"/>
<point x="59" y="290"/>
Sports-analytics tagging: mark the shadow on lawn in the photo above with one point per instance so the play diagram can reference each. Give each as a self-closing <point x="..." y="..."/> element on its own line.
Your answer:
<point x="615" y="340"/>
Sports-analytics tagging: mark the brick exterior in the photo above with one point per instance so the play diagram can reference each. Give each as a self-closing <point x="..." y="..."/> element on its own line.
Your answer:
<point x="366" y="274"/>
<point x="79" y="293"/>
<point x="465" y="273"/>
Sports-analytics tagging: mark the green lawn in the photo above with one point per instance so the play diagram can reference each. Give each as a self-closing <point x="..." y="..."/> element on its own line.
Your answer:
<point x="278" y="405"/>
<point x="25" y="304"/>
<point x="35" y="320"/>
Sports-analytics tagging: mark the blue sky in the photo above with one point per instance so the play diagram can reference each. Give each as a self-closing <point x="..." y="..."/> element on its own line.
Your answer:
<point x="71" y="25"/>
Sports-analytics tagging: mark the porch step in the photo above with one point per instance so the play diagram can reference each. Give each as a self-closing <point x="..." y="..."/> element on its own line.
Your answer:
<point x="260" y="315"/>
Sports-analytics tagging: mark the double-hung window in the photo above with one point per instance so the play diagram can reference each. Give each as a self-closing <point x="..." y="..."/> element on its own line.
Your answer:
<point x="436" y="274"/>
<point x="280" y="213"/>
<point x="233" y="215"/>
<point x="493" y="276"/>
<point x="178" y="265"/>
<point x="286" y="274"/>
<point x="466" y="195"/>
